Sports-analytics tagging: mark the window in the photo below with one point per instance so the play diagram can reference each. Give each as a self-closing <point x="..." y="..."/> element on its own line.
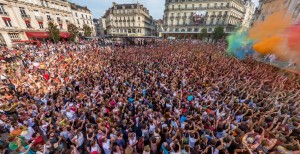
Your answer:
<point x="41" y="25"/>
<point x="14" y="36"/>
<point x="22" y="10"/>
<point x="90" y="17"/>
<point x="87" y="22"/>
<point x="129" y="30"/>
<point x="76" y="14"/>
<point x="139" y="18"/>
<point x="28" y="24"/>
<point x="60" y="26"/>
<point x="36" y="12"/>
<point x="58" y="19"/>
<point x="86" y="16"/>
<point x="7" y="22"/>
<point x="77" y="21"/>
<point x="48" y="17"/>
<point x="193" y="6"/>
<point x="189" y="29"/>
<point x="179" y="7"/>
<point x="196" y="29"/>
<point x="177" y="30"/>
<point x="185" y="6"/>
<point x="2" y="9"/>
<point x="82" y="15"/>
<point x="172" y="7"/>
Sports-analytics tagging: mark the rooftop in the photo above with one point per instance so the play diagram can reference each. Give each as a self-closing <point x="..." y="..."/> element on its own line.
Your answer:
<point x="78" y="7"/>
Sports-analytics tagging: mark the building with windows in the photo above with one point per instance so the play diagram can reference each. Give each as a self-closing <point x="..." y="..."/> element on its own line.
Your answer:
<point x="267" y="7"/>
<point x="128" y="20"/>
<point x="187" y="18"/>
<point x="82" y="16"/>
<point x="249" y="11"/>
<point x="159" y="26"/>
<point x="28" y="19"/>
<point x="97" y="26"/>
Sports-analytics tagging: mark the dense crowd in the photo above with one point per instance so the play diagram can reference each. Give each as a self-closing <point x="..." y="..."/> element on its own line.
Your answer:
<point x="183" y="98"/>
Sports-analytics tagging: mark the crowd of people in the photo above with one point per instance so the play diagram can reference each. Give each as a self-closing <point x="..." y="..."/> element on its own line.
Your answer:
<point x="183" y="98"/>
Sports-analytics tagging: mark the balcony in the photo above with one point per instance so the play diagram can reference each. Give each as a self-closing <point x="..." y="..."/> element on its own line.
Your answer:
<point x="219" y="15"/>
<point x="184" y="17"/>
<point x="39" y="18"/>
<point x="178" y="17"/>
<point x="25" y="16"/>
<point x="212" y="16"/>
<point x="171" y="17"/>
<point x="50" y="19"/>
<point x="4" y="13"/>
<point x="59" y="21"/>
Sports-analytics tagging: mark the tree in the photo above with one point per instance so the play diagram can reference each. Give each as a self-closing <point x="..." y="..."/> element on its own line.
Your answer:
<point x="218" y="33"/>
<point x="73" y="30"/>
<point x="53" y="32"/>
<point x="87" y="30"/>
<point x="203" y="33"/>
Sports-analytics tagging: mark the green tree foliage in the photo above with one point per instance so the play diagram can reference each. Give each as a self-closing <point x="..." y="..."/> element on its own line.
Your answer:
<point x="73" y="30"/>
<point x="218" y="33"/>
<point x="87" y="30"/>
<point x="53" y="32"/>
<point x="203" y="33"/>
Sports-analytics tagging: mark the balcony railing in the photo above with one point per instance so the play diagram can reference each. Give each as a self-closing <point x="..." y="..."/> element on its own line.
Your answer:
<point x="4" y="13"/>
<point x="50" y="19"/>
<point x="200" y="8"/>
<point x="39" y="18"/>
<point x="25" y="16"/>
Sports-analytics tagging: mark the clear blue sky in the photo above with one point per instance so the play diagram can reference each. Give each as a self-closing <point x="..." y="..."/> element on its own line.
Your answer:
<point x="98" y="7"/>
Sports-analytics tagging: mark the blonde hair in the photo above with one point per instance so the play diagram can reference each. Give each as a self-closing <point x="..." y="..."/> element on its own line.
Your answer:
<point x="129" y="150"/>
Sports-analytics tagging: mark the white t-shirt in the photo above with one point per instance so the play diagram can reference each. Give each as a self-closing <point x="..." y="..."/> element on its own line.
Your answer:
<point x="28" y="136"/>
<point x="106" y="147"/>
<point x="192" y="142"/>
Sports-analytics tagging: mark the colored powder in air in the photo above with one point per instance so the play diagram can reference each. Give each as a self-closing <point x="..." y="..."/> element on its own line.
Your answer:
<point x="294" y="38"/>
<point x="238" y="44"/>
<point x="275" y="24"/>
<point x="270" y="45"/>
